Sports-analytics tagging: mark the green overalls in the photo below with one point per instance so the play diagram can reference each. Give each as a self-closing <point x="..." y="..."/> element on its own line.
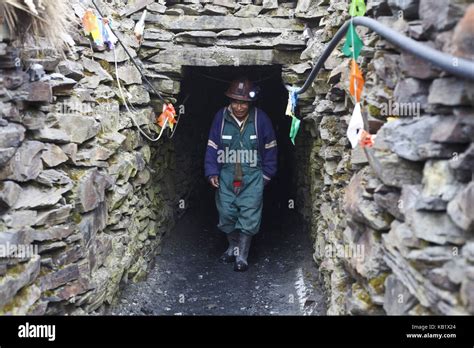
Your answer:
<point x="242" y="210"/>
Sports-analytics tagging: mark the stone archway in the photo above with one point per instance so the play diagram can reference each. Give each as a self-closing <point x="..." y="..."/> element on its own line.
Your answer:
<point x="190" y="251"/>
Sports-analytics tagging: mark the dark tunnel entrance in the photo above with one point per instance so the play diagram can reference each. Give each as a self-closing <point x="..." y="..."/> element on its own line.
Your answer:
<point x="187" y="279"/>
<point x="202" y="91"/>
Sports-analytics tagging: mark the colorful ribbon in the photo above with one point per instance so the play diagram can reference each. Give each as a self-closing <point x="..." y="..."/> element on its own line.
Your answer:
<point x="99" y="29"/>
<point x="290" y="111"/>
<point x="167" y="117"/>
<point x="108" y="36"/>
<point x="352" y="48"/>
<point x="357" y="8"/>
<point x="353" y="45"/>
<point x="91" y="26"/>
<point x="356" y="81"/>
<point x="295" y="126"/>
<point x="366" y="139"/>
<point x="356" y="124"/>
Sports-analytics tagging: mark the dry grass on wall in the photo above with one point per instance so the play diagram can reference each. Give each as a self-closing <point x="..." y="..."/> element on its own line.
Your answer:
<point x="31" y="20"/>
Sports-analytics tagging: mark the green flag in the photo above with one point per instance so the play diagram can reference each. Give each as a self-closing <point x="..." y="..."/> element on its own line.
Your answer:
<point x="295" y="126"/>
<point x="357" y="8"/>
<point x="352" y="39"/>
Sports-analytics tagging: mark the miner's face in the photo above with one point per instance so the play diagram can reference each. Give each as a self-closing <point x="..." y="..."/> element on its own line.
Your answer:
<point x="239" y="108"/>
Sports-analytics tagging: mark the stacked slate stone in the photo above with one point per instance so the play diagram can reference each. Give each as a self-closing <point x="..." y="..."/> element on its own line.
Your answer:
<point x="77" y="181"/>
<point x="412" y="209"/>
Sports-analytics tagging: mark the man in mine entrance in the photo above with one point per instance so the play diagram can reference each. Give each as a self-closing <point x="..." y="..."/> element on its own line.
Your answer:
<point x="241" y="158"/>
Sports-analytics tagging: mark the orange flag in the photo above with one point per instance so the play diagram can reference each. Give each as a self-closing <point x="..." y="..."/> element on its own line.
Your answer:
<point x="91" y="26"/>
<point x="356" y="81"/>
<point x="168" y="114"/>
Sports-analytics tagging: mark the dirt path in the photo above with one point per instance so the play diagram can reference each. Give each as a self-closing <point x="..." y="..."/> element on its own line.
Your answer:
<point x="188" y="280"/>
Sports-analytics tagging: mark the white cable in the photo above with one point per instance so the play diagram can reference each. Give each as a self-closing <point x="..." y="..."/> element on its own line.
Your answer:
<point x="132" y="116"/>
<point x="174" y="128"/>
<point x="178" y="118"/>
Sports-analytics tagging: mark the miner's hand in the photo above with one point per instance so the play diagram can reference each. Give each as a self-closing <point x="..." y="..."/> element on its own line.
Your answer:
<point x="214" y="180"/>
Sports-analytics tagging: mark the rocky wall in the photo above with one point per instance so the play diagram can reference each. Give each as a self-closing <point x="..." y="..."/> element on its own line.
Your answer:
<point x="395" y="236"/>
<point x="83" y="195"/>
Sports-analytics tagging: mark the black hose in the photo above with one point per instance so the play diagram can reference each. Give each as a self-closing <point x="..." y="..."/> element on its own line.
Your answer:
<point x="457" y="66"/>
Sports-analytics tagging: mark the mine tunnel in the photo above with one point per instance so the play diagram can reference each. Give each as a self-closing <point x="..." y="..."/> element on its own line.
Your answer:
<point x="282" y="250"/>
<point x="202" y="91"/>
<point x="102" y="207"/>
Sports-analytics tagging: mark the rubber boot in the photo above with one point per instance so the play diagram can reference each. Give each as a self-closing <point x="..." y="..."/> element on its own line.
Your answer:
<point x="241" y="264"/>
<point x="229" y="255"/>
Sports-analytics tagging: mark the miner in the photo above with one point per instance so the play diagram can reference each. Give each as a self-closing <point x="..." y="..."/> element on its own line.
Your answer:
<point x="241" y="158"/>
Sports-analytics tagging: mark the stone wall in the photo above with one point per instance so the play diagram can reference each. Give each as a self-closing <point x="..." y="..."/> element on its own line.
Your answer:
<point x="394" y="237"/>
<point x="80" y="182"/>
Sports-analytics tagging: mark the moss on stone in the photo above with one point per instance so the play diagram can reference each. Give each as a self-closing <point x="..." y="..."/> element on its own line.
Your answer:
<point x="374" y="111"/>
<point x="103" y="100"/>
<point x="16" y="270"/>
<point x="106" y="66"/>
<point x="359" y="292"/>
<point x="19" y="300"/>
<point x="76" y="174"/>
<point x="76" y="217"/>
<point x="378" y="283"/>
<point x="48" y="293"/>
<point x="14" y="303"/>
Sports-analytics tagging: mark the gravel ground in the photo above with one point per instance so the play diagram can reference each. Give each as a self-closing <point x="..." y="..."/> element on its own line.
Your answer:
<point x="188" y="279"/>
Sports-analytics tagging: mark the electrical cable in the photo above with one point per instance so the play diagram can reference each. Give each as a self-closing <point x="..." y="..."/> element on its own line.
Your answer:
<point x="457" y="66"/>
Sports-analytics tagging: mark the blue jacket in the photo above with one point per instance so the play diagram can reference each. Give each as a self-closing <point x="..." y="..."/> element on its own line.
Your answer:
<point x="267" y="144"/>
